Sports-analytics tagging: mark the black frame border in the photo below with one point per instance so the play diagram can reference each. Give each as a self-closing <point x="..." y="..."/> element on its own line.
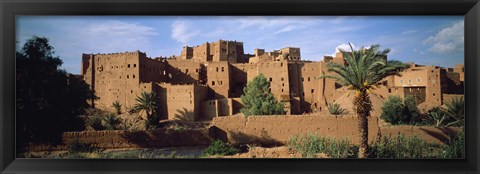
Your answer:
<point x="10" y="8"/>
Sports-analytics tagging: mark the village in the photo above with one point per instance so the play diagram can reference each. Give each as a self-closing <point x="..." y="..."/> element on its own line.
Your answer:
<point x="194" y="102"/>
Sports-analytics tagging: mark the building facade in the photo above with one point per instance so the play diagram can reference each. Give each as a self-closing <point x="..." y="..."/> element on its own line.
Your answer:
<point x="207" y="81"/>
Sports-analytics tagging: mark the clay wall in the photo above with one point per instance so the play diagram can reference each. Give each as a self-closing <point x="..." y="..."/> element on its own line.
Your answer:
<point x="187" y="53"/>
<point x="449" y="97"/>
<point x="428" y="77"/>
<point x="182" y="102"/>
<point x="278" y="129"/>
<point x="133" y="139"/>
<point x="238" y="73"/>
<point x="185" y="72"/>
<point x="460" y="69"/>
<point x="277" y="74"/>
<point x="218" y="79"/>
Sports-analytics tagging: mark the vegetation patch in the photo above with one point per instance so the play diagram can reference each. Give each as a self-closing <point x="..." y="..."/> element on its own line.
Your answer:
<point x="336" y="109"/>
<point x="310" y="145"/>
<point x="403" y="147"/>
<point x="219" y="147"/>
<point x="398" y="111"/>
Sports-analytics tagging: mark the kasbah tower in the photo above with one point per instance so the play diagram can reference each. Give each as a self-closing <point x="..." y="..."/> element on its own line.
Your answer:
<point x="207" y="80"/>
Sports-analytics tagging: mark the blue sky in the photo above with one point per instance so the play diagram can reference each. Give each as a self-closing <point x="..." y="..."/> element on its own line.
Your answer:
<point x="428" y="40"/>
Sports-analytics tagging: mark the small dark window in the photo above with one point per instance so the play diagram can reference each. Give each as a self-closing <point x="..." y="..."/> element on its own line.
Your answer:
<point x="222" y="69"/>
<point x="186" y="70"/>
<point x="433" y="94"/>
<point x="133" y="76"/>
<point x="213" y="83"/>
<point x="389" y="90"/>
<point x="131" y="91"/>
<point x="309" y="79"/>
<point x="282" y="78"/>
<point x="312" y="91"/>
<point x="270" y="79"/>
<point x="196" y="70"/>
<point x="128" y="65"/>
<point x="127" y="77"/>
<point x="134" y="65"/>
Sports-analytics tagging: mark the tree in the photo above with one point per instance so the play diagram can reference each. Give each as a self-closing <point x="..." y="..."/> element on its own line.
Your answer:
<point x="48" y="100"/>
<point x="364" y="69"/>
<point x="147" y="102"/>
<point x="398" y="111"/>
<point x="258" y="100"/>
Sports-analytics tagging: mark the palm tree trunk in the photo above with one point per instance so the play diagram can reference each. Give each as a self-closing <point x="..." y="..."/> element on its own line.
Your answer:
<point x="363" y="106"/>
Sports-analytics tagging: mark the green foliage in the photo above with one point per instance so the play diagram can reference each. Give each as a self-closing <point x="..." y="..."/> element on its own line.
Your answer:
<point x="218" y="147"/>
<point x="402" y="147"/>
<point x="398" y="111"/>
<point x="147" y="102"/>
<point x="309" y="145"/>
<point x="411" y="110"/>
<point x="436" y="117"/>
<point x="392" y="110"/>
<point x="455" y="148"/>
<point x="111" y="121"/>
<point x="95" y="122"/>
<point x="336" y="109"/>
<point x="117" y="106"/>
<point x="81" y="147"/>
<point x="455" y="109"/>
<point x="258" y="100"/>
<point x="48" y="99"/>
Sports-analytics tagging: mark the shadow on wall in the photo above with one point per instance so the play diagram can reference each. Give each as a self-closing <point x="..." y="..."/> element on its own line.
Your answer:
<point x="440" y="134"/>
<point x="236" y="137"/>
<point x="166" y="138"/>
<point x="185" y="115"/>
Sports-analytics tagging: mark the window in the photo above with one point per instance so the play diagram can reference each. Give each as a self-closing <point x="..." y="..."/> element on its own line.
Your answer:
<point x="281" y="79"/>
<point x="419" y="80"/>
<point x="270" y="79"/>
<point x="281" y="64"/>
<point x="217" y="69"/>
<point x="133" y="76"/>
<point x="196" y="70"/>
<point x="302" y="79"/>
<point x="213" y="83"/>
<point x="222" y="69"/>
<point x="127" y="77"/>
<point x="131" y="91"/>
<point x="134" y="65"/>
<point x="389" y="90"/>
<point x="186" y="70"/>
<point x="433" y="94"/>
<point x="401" y="81"/>
<point x="128" y="65"/>
<point x="312" y="91"/>
<point x="309" y="79"/>
<point x="409" y="80"/>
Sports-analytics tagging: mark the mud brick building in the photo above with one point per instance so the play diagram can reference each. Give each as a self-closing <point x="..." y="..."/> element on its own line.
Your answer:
<point x="207" y="81"/>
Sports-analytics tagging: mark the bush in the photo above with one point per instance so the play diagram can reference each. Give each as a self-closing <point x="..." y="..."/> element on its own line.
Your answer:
<point x="309" y="145"/>
<point x="95" y="122"/>
<point x="111" y="121"/>
<point x="398" y="111"/>
<point x="402" y="147"/>
<point x="335" y="109"/>
<point x="220" y="148"/>
<point x="455" y="109"/>
<point x="455" y="148"/>
<point x="78" y="149"/>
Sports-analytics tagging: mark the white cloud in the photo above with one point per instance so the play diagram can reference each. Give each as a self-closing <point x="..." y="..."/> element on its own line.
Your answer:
<point x="114" y="35"/>
<point x="344" y="47"/>
<point x="448" y="39"/>
<point x="182" y="32"/>
<point x="288" y="28"/>
<point x="409" y="31"/>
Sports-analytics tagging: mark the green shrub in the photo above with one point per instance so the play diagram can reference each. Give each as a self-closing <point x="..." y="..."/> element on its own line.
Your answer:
<point x="111" y="121"/>
<point x="336" y="109"/>
<point x="402" y="147"/>
<point x="455" y="148"/>
<point x="96" y="123"/>
<point x="410" y="110"/>
<point x="220" y="148"/>
<point x="309" y="145"/>
<point x="398" y="111"/>
<point x="258" y="100"/>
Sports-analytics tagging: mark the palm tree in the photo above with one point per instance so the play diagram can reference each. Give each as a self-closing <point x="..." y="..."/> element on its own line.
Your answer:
<point x="455" y="109"/>
<point x="111" y="121"/>
<point x="147" y="103"/>
<point x="363" y="70"/>
<point x="117" y="106"/>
